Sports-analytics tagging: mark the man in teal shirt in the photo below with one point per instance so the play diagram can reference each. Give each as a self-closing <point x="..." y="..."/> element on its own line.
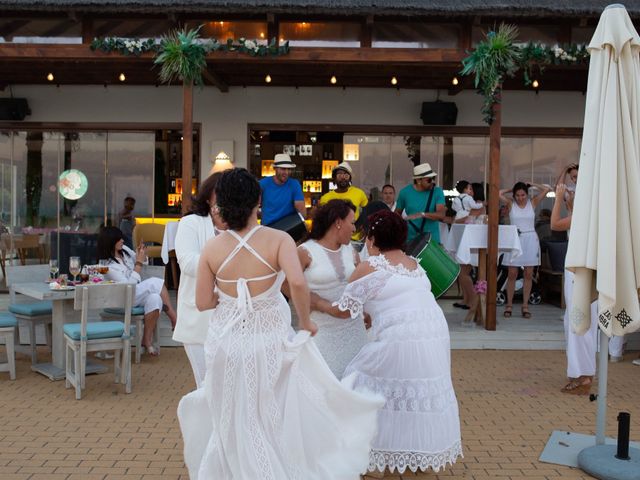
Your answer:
<point x="413" y="201"/>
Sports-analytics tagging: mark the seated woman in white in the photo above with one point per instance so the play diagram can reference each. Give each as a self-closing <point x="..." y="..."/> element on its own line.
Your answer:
<point x="125" y="266"/>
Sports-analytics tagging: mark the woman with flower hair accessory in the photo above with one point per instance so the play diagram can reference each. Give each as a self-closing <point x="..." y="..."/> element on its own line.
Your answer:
<point x="408" y="357"/>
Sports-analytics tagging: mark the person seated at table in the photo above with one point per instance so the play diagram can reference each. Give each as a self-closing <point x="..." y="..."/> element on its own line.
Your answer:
<point x="125" y="266"/>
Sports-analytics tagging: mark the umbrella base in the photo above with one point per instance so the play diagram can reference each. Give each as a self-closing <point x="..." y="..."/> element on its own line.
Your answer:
<point x="600" y="462"/>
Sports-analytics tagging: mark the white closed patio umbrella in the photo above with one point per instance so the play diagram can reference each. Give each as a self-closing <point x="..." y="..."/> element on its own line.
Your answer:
<point x="604" y="245"/>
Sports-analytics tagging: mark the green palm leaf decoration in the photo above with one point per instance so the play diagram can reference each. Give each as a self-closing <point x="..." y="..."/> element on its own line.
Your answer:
<point x="493" y="59"/>
<point x="182" y="57"/>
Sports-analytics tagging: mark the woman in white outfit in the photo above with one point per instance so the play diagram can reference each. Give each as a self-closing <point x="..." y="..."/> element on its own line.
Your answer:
<point x="408" y="359"/>
<point x="581" y="349"/>
<point x="193" y="232"/>
<point x="270" y="408"/>
<point x="125" y="266"/>
<point x="522" y="214"/>
<point x="328" y="260"/>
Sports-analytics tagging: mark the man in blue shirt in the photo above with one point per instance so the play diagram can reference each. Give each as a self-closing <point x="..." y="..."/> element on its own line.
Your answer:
<point x="413" y="201"/>
<point x="281" y="195"/>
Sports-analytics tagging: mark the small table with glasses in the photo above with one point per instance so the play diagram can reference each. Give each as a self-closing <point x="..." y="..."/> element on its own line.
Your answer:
<point x="63" y="312"/>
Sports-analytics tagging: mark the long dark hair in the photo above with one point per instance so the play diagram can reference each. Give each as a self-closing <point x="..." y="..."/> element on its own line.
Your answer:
<point x="327" y="214"/>
<point x="107" y="239"/>
<point x="237" y="194"/>
<point x="200" y="205"/>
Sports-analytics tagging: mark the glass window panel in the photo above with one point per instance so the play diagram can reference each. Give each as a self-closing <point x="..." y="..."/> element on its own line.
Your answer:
<point x="471" y="156"/>
<point x="547" y="34"/>
<point x="6" y="179"/>
<point x="130" y="166"/>
<point x="120" y="27"/>
<point x="237" y="29"/>
<point x="415" y="35"/>
<point x="373" y="170"/>
<point x="40" y="30"/>
<point x="321" y="34"/>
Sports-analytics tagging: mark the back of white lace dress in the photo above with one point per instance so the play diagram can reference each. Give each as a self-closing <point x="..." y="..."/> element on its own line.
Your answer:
<point x="408" y="360"/>
<point x="338" y="339"/>
<point x="267" y="409"/>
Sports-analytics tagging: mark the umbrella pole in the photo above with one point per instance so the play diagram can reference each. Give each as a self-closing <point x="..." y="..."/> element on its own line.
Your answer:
<point x="603" y="365"/>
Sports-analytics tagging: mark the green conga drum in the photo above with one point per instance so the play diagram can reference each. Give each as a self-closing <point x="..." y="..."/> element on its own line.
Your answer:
<point x="441" y="269"/>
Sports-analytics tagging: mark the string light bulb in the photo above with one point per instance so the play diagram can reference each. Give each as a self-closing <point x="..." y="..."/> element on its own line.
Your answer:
<point x="455" y="81"/>
<point x="333" y="80"/>
<point x="50" y="77"/>
<point x="394" y="81"/>
<point x="267" y="79"/>
<point x="535" y="84"/>
<point x="122" y="77"/>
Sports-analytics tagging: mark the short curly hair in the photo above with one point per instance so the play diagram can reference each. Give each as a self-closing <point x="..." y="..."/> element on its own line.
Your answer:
<point x="387" y="230"/>
<point x="237" y="194"/>
<point x="327" y="214"/>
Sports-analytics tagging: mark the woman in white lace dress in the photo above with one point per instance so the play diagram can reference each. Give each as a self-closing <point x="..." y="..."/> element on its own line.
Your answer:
<point x="270" y="408"/>
<point x="408" y="359"/>
<point x="328" y="260"/>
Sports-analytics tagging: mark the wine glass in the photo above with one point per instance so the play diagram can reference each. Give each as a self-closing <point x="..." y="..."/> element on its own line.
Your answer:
<point x="74" y="267"/>
<point x="103" y="266"/>
<point x="53" y="268"/>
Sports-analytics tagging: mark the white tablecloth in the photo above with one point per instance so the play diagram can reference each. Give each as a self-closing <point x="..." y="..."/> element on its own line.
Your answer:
<point x="464" y="241"/>
<point x="169" y="240"/>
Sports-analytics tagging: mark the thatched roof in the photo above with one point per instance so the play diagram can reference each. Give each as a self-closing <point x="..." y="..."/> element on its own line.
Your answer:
<point x="500" y="8"/>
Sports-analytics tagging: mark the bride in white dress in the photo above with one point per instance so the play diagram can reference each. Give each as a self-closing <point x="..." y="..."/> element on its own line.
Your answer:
<point x="270" y="408"/>
<point x="328" y="260"/>
<point x="408" y="359"/>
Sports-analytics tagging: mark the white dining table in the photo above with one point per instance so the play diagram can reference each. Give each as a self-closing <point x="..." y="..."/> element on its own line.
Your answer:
<point x="169" y="240"/>
<point x="63" y="312"/>
<point x="465" y="240"/>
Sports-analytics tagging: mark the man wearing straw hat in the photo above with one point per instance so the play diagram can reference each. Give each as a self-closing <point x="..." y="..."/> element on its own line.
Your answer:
<point x="413" y="199"/>
<point x="281" y="195"/>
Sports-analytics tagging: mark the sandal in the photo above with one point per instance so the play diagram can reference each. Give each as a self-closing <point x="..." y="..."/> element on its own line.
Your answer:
<point x="525" y="312"/>
<point x="507" y="311"/>
<point x="578" y="386"/>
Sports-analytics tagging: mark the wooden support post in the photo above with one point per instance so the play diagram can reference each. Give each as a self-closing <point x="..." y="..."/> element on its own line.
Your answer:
<point x="187" y="145"/>
<point x="493" y="210"/>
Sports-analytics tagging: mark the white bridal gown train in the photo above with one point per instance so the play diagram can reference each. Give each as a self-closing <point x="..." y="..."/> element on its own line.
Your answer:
<point x="270" y="407"/>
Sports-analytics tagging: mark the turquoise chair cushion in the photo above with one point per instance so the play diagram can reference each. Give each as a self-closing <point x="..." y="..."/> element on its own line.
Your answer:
<point x="95" y="330"/>
<point x="120" y="311"/>
<point x="32" y="309"/>
<point x="7" y="320"/>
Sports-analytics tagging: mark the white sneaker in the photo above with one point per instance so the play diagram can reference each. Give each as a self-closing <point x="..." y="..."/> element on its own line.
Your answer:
<point x="636" y="361"/>
<point x="615" y="359"/>
<point x="104" y="355"/>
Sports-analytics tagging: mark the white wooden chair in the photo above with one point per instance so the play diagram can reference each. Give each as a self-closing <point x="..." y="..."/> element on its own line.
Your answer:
<point x="84" y="337"/>
<point x="8" y="326"/>
<point x="137" y="314"/>
<point x="32" y="312"/>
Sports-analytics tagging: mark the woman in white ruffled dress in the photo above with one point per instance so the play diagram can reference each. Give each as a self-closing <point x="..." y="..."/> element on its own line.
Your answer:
<point x="328" y="260"/>
<point x="270" y="408"/>
<point x="408" y="359"/>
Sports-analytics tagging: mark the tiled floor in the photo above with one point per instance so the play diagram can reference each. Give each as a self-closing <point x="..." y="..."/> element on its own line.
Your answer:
<point x="509" y="405"/>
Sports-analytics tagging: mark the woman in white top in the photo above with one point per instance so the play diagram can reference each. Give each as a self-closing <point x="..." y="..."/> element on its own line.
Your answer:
<point x="193" y="232"/>
<point x="125" y="266"/>
<point x="522" y="214"/>
<point x="408" y="359"/>
<point x="270" y="408"/>
<point x="328" y="260"/>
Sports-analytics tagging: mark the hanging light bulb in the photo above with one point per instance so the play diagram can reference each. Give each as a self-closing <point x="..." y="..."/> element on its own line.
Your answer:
<point x="394" y="81"/>
<point x="333" y="80"/>
<point x="122" y="77"/>
<point x="535" y="84"/>
<point x="267" y="79"/>
<point x="50" y="77"/>
<point x="454" y="81"/>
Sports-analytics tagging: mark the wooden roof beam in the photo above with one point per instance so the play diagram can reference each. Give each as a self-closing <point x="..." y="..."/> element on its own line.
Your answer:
<point x="215" y="80"/>
<point x="9" y="28"/>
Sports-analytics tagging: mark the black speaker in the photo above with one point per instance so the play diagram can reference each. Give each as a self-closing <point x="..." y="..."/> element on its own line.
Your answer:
<point x="14" y="108"/>
<point x="439" y="113"/>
